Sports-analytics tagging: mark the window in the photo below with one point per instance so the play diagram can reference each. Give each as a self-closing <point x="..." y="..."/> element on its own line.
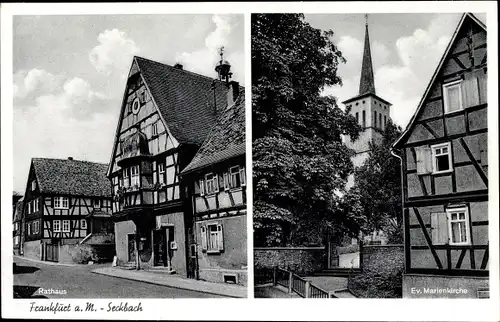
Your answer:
<point x="380" y="121"/>
<point x="36" y="227"/>
<point x="126" y="173"/>
<point x="364" y="119"/>
<point x="375" y="118"/>
<point x="66" y="226"/>
<point x="136" y="106"/>
<point x="29" y="207"/>
<point x="61" y="202"/>
<point x="441" y="158"/>
<point x="161" y="172"/>
<point x="452" y="93"/>
<point x="235" y="178"/>
<point x="56" y="226"/>
<point x="143" y="97"/>
<point x="212" y="239"/>
<point x="155" y="129"/>
<point x="33" y="185"/>
<point x="211" y="183"/>
<point x="36" y="205"/>
<point x="385" y="121"/>
<point x="134" y="176"/>
<point x="357" y="117"/>
<point x="458" y="226"/>
<point x="83" y="224"/>
<point x="97" y="203"/>
<point x="29" y="228"/>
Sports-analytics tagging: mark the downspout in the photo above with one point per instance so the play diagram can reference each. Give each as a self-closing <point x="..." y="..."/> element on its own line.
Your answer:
<point x="405" y="237"/>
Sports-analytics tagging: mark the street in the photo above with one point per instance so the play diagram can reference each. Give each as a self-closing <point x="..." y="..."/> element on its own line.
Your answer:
<point x="41" y="280"/>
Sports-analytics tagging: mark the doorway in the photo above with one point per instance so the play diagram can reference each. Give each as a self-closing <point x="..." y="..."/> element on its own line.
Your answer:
<point x="131" y="247"/>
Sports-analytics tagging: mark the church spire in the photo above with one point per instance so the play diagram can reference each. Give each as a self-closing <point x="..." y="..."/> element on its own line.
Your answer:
<point x="366" y="83"/>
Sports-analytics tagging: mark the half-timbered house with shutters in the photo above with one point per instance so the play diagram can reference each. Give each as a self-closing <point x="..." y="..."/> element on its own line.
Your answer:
<point x="17" y="226"/>
<point x="166" y="114"/>
<point x="64" y="199"/>
<point x="217" y="184"/>
<point x="445" y="172"/>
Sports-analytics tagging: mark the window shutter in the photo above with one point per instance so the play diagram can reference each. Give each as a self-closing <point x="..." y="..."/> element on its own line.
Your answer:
<point x="216" y="183"/>
<point x="482" y="82"/>
<point x="439" y="228"/>
<point x="203" y="231"/>
<point x="424" y="159"/>
<point x="483" y="146"/>
<point x="470" y="92"/>
<point x="202" y="188"/>
<point x="220" y="236"/>
<point x="242" y="176"/>
<point x="226" y="181"/>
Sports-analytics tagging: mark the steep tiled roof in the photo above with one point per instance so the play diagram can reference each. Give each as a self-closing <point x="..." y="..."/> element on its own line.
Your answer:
<point x="18" y="211"/>
<point x="185" y="99"/>
<point x="226" y="139"/>
<point x="71" y="177"/>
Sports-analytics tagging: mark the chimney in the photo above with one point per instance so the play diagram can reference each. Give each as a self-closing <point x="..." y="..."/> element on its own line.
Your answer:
<point x="232" y="93"/>
<point x="70" y="158"/>
<point x="178" y="66"/>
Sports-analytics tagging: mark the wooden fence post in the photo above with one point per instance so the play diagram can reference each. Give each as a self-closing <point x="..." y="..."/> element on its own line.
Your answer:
<point x="290" y="282"/>
<point x="275" y="271"/>
<point x="307" y="290"/>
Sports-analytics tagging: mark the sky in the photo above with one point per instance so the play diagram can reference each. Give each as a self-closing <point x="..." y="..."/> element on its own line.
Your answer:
<point x="70" y="73"/>
<point x="406" y="49"/>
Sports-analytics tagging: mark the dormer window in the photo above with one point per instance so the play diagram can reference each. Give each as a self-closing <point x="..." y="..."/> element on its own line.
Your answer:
<point x="97" y="203"/>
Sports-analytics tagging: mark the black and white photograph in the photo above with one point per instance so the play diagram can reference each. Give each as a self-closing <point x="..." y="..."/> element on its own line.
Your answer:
<point x="370" y="155"/>
<point x="129" y="156"/>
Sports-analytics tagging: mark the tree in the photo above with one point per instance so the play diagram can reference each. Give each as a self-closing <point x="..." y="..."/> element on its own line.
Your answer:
<point x="378" y="185"/>
<point x="300" y="164"/>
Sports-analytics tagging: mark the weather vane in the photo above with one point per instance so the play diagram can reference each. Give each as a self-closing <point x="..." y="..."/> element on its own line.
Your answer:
<point x="221" y="52"/>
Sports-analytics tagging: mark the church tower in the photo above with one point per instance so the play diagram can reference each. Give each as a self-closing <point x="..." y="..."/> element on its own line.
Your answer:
<point x="371" y="111"/>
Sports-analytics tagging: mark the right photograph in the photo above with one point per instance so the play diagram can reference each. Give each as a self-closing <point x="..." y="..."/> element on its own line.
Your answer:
<point x="370" y="155"/>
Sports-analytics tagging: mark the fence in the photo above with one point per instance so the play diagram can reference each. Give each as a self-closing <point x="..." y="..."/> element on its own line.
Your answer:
<point x="292" y="282"/>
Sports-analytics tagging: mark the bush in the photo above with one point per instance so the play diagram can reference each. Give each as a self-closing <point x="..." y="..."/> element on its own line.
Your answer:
<point x="82" y="254"/>
<point x="382" y="275"/>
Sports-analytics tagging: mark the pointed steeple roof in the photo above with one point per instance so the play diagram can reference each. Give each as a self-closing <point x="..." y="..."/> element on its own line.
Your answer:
<point x="366" y="82"/>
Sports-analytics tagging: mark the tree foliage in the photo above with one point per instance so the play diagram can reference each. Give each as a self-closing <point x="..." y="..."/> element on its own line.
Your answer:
<point x="377" y="185"/>
<point x="300" y="164"/>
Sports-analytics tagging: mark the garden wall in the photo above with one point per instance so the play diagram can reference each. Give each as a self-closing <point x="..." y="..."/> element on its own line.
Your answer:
<point x="301" y="260"/>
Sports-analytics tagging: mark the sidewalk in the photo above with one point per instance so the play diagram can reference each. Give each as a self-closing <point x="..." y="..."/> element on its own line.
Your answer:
<point x="58" y="264"/>
<point x="174" y="281"/>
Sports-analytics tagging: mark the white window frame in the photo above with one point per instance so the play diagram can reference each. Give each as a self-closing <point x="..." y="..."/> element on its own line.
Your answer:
<point x="215" y="239"/>
<point x="135" y="178"/>
<point x="66" y="221"/>
<point x="83" y="223"/>
<point x="465" y="221"/>
<point x="36" y="204"/>
<point x="126" y="182"/>
<point x="154" y="129"/>
<point x="446" y="87"/>
<point x="60" y="201"/>
<point x="161" y="172"/>
<point x="215" y="183"/>
<point x="97" y="203"/>
<point x="37" y="227"/>
<point x="29" y="207"/>
<point x="29" y="228"/>
<point x="58" y="229"/>
<point x="33" y="185"/>
<point x="434" y="157"/>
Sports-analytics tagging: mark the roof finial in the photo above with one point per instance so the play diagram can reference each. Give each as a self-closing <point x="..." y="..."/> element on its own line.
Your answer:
<point x="366" y="20"/>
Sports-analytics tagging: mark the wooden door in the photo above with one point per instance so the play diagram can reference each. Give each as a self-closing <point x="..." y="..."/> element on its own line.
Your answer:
<point x="131" y="247"/>
<point x="160" y="247"/>
<point x="52" y="252"/>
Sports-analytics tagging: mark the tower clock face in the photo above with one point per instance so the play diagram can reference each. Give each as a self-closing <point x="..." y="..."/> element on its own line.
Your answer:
<point x="136" y="106"/>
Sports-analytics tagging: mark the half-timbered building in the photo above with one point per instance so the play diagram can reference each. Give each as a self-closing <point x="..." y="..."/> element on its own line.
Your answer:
<point x="16" y="223"/>
<point x="62" y="197"/>
<point x="217" y="182"/>
<point x="165" y="116"/>
<point x="445" y="172"/>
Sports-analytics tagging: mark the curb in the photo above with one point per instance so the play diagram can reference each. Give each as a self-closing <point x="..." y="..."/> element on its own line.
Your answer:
<point x="49" y="263"/>
<point x="187" y="287"/>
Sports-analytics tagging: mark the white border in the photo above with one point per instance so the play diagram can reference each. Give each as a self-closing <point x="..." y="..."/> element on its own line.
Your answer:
<point x="274" y="309"/>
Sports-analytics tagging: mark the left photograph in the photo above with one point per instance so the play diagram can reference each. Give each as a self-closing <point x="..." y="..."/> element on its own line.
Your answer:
<point x="129" y="156"/>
